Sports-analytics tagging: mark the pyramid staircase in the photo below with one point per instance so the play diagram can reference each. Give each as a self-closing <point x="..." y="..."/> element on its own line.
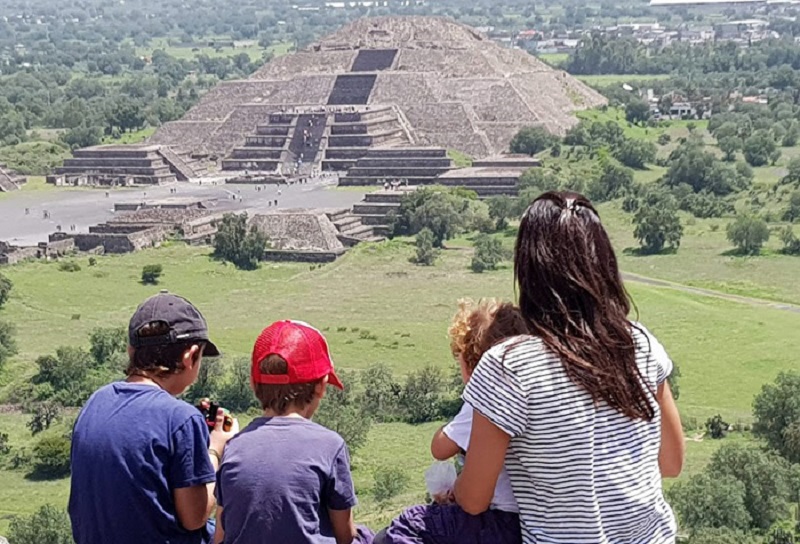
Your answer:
<point x="352" y="230"/>
<point x="115" y="165"/>
<point x="182" y="164"/>
<point x="415" y="165"/>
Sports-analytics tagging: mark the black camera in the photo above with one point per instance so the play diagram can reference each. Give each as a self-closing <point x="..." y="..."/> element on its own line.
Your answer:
<point x="209" y="410"/>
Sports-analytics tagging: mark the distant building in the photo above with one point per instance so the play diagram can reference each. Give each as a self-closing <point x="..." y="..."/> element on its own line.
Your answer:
<point x="744" y="29"/>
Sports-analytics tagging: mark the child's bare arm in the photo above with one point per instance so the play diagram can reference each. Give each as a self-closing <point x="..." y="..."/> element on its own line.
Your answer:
<point x="673" y="447"/>
<point x="219" y="532"/>
<point x="442" y="448"/>
<point x="344" y="528"/>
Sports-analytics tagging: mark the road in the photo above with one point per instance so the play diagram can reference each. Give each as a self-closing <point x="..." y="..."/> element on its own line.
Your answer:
<point x="85" y="207"/>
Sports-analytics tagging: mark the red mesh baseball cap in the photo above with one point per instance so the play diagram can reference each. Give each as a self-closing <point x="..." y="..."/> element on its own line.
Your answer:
<point x="302" y="347"/>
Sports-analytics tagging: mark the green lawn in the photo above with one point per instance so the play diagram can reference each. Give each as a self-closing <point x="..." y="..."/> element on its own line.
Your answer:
<point x="189" y="52"/>
<point x="606" y="80"/>
<point x="554" y="59"/>
<point x="134" y="137"/>
<point x="726" y="350"/>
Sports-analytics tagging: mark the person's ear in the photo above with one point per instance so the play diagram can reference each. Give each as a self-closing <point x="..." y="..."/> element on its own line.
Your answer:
<point x="321" y="387"/>
<point x="191" y="356"/>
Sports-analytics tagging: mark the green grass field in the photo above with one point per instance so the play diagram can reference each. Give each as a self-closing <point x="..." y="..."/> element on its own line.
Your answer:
<point x="189" y="52"/>
<point x="606" y="80"/>
<point x="726" y="350"/>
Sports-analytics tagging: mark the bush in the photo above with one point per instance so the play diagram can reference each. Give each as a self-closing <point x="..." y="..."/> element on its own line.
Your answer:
<point x="532" y="140"/>
<point x="49" y="525"/>
<point x="791" y="244"/>
<point x="8" y="345"/>
<point x="501" y="209"/>
<point x="340" y="411"/>
<point x="69" y="266"/>
<point x="426" y="252"/>
<point x="234" y="391"/>
<point x="664" y="138"/>
<point x="790" y="214"/>
<point x="51" y="456"/>
<point x="380" y="399"/>
<point x="759" y="148"/>
<point x="489" y="252"/>
<point x="44" y="415"/>
<point x="422" y="395"/>
<point x="5" y="289"/>
<point x="151" y="274"/>
<point x="748" y="233"/>
<point x="389" y="482"/>
<point x="92" y="261"/>
<point x="777" y="415"/>
<point x="706" y="501"/>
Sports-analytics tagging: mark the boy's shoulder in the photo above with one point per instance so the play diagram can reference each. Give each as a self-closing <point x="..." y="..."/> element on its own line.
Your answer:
<point x="125" y="398"/>
<point x="264" y="428"/>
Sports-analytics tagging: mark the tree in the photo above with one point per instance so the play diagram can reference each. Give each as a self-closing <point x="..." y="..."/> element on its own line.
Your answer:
<point x="765" y="477"/>
<point x="729" y="146"/>
<point x="426" y="252"/>
<point x="759" y="147"/>
<point x="792" y="212"/>
<point x="532" y="140"/>
<point x="716" y="428"/>
<point x="234" y="392"/>
<point x="777" y="415"/>
<point x="613" y="181"/>
<point x="637" y="111"/>
<point x="708" y="501"/>
<point x="235" y="243"/>
<point x="422" y="394"/>
<point x="342" y="413"/>
<point x="791" y="243"/>
<point x="722" y="536"/>
<point x="441" y="213"/>
<point x="82" y="136"/>
<point x="151" y="273"/>
<point x="380" y="399"/>
<point x="748" y="233"/>
<point x="5" y="289"/>
<point x="108" y="345"/>
<point x="44" y="415"/>
<point x="489" y="252"/>
<point x="636" y="153"/>
<point x="49" y="525"/>
<point x="51" y="456"/>
<point x="657" y="224"/>
<point x="501" y="209"/>
<point x="8" y="346"/>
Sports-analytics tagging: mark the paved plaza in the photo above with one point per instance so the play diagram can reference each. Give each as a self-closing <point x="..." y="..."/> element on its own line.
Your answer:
<point x="83" y="207"/>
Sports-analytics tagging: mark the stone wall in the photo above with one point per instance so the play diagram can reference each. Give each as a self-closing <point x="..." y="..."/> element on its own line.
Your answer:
<point x="122" y="243"/>
<point x="303" y="256"/>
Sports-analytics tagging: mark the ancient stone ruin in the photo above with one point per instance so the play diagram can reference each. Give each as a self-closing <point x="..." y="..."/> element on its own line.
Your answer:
<point x="126" y="165"/>
<point x="376" y="83"/>
<point x="10" y="180"/>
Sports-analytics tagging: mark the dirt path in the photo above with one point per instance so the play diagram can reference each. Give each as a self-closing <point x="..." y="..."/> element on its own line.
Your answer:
<point x="636" y="278"/>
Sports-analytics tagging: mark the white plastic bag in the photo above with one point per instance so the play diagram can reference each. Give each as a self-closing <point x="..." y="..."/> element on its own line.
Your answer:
<point x="440" y="478"/>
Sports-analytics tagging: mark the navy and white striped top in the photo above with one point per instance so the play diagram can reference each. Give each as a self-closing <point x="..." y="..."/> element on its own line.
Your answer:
<point x="581" y="473"/>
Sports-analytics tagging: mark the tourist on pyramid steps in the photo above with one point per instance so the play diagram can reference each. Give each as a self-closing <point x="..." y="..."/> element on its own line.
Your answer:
<point x="285" y="478"/>
<point x="143" y="463"/>
<point x="475" y="329"/>
<point x="580" y="412"/>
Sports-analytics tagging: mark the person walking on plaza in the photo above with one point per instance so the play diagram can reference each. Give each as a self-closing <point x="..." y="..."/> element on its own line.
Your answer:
<point x="580" y="412"/>
<point x="143" y="462"/>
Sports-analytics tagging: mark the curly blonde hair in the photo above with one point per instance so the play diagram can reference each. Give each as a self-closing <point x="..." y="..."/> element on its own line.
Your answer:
<point x="477" y="327"/>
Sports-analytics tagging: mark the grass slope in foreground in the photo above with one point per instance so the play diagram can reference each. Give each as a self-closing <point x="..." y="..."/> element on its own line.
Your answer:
<point x="726" y="350"/>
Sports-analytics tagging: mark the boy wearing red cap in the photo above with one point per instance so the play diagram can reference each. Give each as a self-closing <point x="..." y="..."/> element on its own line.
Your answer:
<point x="285" y="478"/>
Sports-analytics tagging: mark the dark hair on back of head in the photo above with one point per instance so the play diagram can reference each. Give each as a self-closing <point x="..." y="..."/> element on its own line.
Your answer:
<point x="161" y="359"/>
<point x="572" y="296"/>
<point x="280" y="397"/>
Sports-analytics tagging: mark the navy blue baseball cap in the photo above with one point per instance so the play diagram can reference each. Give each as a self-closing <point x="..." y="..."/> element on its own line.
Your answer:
<point x="183" y="321"/>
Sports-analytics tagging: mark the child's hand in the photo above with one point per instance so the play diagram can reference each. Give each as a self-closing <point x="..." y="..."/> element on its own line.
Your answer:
<point x="219" y="436"/>
<point x="445" y="498"/>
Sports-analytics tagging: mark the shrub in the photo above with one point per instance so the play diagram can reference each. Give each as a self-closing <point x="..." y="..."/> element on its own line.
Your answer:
<point x="381" y="393"/>
<point x="389" y="482"/>
<point x="664" y="138"/>
<point x="716" y="428"/>
<point x="51" y="456"/>
<point x="532" y="140"/>
<point x="8" y="345"/>
<point x="92" y="261"/>
<point x="748" y="233"/>
<point x="777" y="415"/>
<point x="422" y="395"/>
<point x="69" y="266"/>
<point x="489" y="252"/>
<point x="5" y="289"/>
<point x="426" y="252"/>
<point x="151" y="274"/>
<point x="44" y="415"/>
<point x="657" y="224"/>
<point x="341" y="412"/>
<point x="49" y="525"/>
<point x="791" y="244"/>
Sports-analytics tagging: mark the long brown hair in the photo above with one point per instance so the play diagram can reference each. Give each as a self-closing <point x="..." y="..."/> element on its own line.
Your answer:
<point x="572" y="296"/>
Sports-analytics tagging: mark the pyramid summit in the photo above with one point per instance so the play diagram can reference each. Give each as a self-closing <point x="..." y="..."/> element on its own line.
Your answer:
<point x="381" y="82"/>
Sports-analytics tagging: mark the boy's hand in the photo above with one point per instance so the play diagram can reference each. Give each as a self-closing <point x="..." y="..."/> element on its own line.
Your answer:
<point x="444" y="498"/>
<point x="219" y="436"/>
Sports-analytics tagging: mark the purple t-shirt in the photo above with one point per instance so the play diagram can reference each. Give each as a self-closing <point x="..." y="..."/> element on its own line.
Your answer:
<point x="132" y="446"/>
<point x="278" y="479"/>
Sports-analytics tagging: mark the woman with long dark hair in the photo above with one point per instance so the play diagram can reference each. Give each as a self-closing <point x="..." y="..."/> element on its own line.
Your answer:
<point x="579" y="412"/>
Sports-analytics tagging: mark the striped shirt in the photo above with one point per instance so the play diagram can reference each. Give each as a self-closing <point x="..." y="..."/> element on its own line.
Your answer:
<point x="582" y="473"/>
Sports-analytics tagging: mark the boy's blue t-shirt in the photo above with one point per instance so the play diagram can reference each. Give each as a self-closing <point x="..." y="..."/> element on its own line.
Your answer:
<point x="132" y="446"/>
<point x="278" y="479"/>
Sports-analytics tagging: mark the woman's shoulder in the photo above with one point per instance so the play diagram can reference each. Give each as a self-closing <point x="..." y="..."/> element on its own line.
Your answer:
<point x="520" y="352"/>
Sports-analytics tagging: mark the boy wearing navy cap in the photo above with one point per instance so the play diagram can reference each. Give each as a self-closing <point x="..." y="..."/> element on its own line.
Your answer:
<point x="143" y="463"/>
<point x="285" y="478"/>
